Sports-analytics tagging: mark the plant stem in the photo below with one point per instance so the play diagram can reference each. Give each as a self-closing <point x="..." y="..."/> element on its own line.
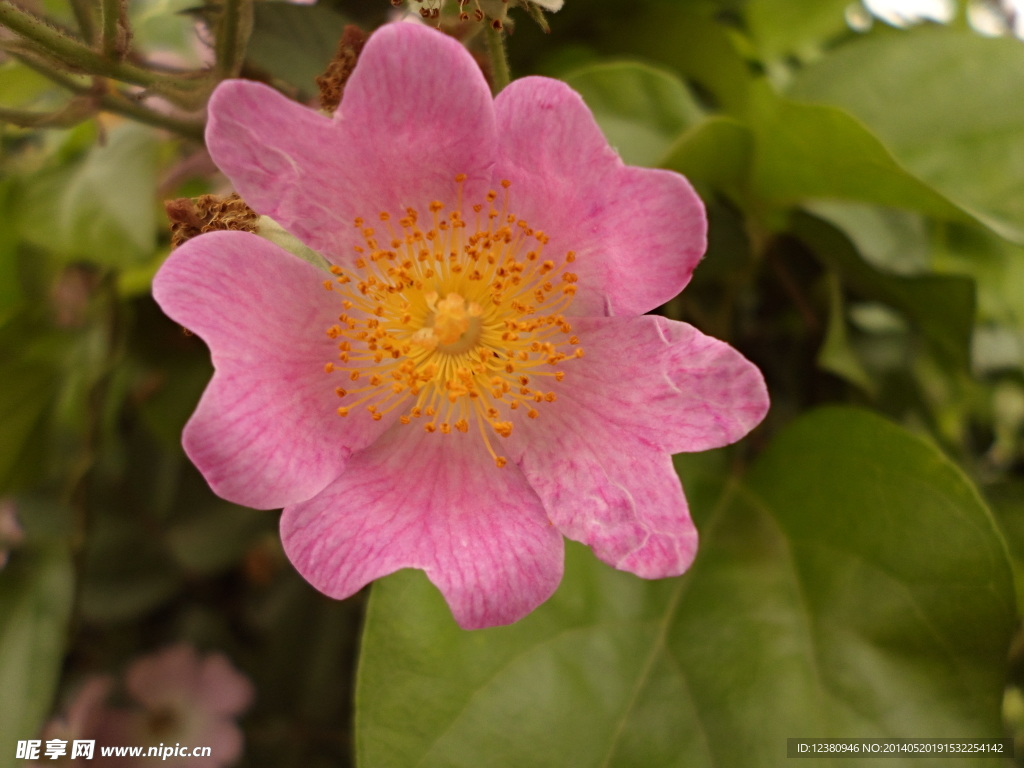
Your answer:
<point x="70" y="51"/>
<point x="42" y="40"/>
<point x="118" y="102"/>
<point x="185" y="90"/>
<point x="499" y="60"/>
<point x="54" y="74"/>
<point x="121" y="104"/>
<point x="77" y="110"/>
<point x="115" y="30"/>
<point x="85" y="15"/>
<point x="233" y="36"/>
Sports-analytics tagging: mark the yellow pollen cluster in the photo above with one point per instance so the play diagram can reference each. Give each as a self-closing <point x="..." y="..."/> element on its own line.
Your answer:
<point x="458" y="323"/>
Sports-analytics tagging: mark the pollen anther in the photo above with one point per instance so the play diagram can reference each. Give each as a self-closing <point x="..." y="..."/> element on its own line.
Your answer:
<point x="453" y="319"/>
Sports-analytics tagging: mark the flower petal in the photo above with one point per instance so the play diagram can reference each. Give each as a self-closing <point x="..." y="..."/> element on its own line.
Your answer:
<point x="612" y="491"/>
<point x="265" y="433"/>
<point x="225" y="740"/>
<point x="221" y="689"/>
<point x="89" y="705"/>
<point x="638" y="233"/>
<point x="435" y="502"/>
<point x="167" y="676"/>
<point x="599" y="455"/>
<point x="678" y="389"/>
<point x="416" y="112"/>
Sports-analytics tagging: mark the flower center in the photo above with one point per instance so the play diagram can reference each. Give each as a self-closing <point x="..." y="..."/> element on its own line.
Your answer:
<point x="456" y="326"/>
<point x="163" y="721"/>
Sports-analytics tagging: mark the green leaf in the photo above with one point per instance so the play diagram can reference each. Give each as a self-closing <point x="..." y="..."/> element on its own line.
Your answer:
<point x="997" y="266"/>
<point x="294" y="42"/>
<point x="779" y="27"/>
<point x="21" y="86"/>
<point x="1007" y="500"/>
<point x="835" y="354"/>
<point x="36" y="590"/>
<point x="830" y="597"/>
<point x="26" y="392"/>
<point x="946" y="102"/>
<point x="100" y="208"/>
<point x="890" y="239"/>
<point x="813" y="151"/>
<point x="640" y="109"/>
<point x="714" y="154"/>
<point x="695" y="47"/>
<point x="941" y="306"/>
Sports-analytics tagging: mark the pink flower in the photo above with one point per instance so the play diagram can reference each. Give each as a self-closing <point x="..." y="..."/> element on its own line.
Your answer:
<point x="82" y="719"/>
<point x="482" y="337"/>
<point x="185" y="701"/>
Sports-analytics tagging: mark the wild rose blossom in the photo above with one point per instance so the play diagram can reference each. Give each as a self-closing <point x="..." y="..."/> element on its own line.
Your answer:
<point x="476" y="378"/>
<point x="185" y="699"/>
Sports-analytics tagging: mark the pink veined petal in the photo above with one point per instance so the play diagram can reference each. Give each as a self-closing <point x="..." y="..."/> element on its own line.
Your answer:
<point x="610" y="490"/>
<point x="436" y="502"/>
<point x="266" y="432"/>
<point x="416" y="112"/>
<point x="638" y="233"/>
<point x="675" y="387"/>
<point x="599" y="456"/>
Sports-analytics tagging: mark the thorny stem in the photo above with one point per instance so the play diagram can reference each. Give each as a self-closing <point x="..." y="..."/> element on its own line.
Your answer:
<point x="101" y="53"/>
<point x="70" y="51"/>
<point x="42" y="39"/>
<point x="75" y="112"/>
<point x="122" y="104"/>
<point x="499" y="60"/>
<point x="115" y="30"/>
<point x="113" y="101"/>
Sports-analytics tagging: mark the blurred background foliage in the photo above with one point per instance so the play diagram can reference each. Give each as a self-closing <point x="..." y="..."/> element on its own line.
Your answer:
<point x="863" y="169"/>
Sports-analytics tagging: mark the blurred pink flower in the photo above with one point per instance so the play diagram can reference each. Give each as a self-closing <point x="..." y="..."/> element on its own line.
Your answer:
<point x="11" y="534"/>
<point x="483" y="337"/>
<point x="83" y="719"/>
<point x="185" y="699"/>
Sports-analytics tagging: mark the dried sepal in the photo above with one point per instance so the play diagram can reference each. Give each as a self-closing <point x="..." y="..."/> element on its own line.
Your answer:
<point x="208" y="213"/>
<point x="332" y="81"/>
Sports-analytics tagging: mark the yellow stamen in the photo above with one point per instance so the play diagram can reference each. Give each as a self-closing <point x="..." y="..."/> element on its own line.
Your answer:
<point x="456" y="318"/>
